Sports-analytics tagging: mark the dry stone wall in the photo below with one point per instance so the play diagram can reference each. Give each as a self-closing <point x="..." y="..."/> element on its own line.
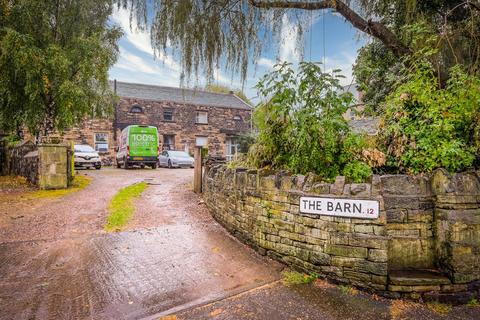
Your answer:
<point x="46" y="165"/>
<point x="425" y="242"/>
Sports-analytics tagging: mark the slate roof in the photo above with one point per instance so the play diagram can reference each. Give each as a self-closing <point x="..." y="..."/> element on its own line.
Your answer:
<point x="365" y="125"/>
<point x="179" y="95"/>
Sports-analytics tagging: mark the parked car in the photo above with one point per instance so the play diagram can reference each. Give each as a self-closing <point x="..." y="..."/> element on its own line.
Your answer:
<point x="175" y="159"/>
<point x="138" y="145"/>
<point x="86" y="157"/>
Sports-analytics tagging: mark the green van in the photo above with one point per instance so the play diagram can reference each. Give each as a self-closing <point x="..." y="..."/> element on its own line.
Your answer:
<point x="138" y="145"/>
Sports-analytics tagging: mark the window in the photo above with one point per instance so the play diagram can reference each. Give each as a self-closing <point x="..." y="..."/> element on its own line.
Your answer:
<point x="237" y="118"/>
<point x="232" y="148"/>
<point x="168" y="142"/>
<point x="201" y="141"/>
<point x="136" y="109"/>
<point x="167" y="114"/>
<point x="202" y="117"/>
<point x="101" y="142"/>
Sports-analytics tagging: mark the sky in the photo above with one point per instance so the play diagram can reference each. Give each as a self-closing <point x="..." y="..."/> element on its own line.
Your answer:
<point x="329" y="38"/>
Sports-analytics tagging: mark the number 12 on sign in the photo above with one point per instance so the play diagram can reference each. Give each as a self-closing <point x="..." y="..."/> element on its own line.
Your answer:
<point x="351" y="208"/>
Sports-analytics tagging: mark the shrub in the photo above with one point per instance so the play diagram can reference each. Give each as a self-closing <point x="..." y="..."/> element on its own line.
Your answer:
<point x="428" y="126"/>
<point x="301" y="124"/>
<point x="357" y="171"/>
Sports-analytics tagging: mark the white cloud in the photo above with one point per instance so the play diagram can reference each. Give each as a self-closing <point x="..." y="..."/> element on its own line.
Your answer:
<point x="289" y="39"/>
<point x="265" y="62"/>
<point x="140" y="39"/>
<point x="344" y="60"/>
<point x="131" y="62"/>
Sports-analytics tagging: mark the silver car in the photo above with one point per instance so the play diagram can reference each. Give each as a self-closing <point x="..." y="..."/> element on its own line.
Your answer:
<point x="86" y="157"/>
<point x="175" y="159"/>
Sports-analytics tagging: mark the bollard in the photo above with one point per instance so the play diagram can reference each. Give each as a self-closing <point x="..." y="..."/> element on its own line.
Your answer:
<point x="197" y="175"/>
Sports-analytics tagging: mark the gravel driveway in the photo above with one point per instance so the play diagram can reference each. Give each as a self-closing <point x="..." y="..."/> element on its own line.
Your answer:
<point x="56" y="262"/>
<point x="172" y="260"/>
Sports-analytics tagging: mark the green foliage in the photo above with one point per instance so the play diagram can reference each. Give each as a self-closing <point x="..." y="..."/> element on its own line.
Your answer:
<point x="121" y="206"/>
<point x="245" y="141"/>
<point x="357" y="171"/>
<point x="426" y="125"/>
<point x="473" y="302"/>
<point x="301" y="124"/>
<point x="453" y="23"/>
<point x="55" y="57"/>
<point x="12" y="140"/>
<point x="376" y="72"/>
<point x="347" y="290"/>
<point x="290" y="278"/>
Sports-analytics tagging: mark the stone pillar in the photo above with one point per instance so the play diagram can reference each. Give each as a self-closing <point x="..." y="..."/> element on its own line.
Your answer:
<point x="457" y="224"/>
<point x="53" y="166"/>
<point x="409" y="206"/>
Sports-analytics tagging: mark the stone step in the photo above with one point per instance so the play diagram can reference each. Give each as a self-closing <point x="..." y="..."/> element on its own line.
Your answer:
<point x="417" y="278"/>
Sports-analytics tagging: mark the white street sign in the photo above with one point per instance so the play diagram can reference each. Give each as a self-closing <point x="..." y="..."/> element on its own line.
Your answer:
<point x="352" y="208"/>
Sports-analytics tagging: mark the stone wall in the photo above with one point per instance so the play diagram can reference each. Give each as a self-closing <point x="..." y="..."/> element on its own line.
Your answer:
<point x="22" y="160"/>
<point x="45" y="166"/>
<point x="425" y="242"/>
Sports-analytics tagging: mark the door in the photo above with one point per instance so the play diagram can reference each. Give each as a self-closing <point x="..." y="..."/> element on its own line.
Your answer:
<point x="168" y="142"/>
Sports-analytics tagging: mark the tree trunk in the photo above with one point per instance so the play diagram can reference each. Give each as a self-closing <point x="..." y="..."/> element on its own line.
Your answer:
<point x="373" y="28"/>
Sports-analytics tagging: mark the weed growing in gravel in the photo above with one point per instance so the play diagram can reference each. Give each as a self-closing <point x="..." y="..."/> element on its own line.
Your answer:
<point x="348" y="290"/>
<point x="122" y="208"/>
<point x="473" y="303"/>
<point x="439" y="308"/>
<point x="293" y="278"/>
<point x="13" y="183"/>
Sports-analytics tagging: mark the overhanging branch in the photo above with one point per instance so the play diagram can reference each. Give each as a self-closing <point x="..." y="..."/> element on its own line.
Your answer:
<point x="373" y="28"/>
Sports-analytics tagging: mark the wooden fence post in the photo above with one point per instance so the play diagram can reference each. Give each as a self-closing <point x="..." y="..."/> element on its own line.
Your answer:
<point x="197" y="175"/>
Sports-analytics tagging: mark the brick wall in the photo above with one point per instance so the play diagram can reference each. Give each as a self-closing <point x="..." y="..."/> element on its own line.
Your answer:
<point x="424" y="243"/>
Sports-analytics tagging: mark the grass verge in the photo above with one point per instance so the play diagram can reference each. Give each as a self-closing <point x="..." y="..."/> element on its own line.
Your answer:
<point x="26" y="191"/>
<point x="79" y="183"/>
<point x="13" y="183"/>
<point x="121" y="207"/>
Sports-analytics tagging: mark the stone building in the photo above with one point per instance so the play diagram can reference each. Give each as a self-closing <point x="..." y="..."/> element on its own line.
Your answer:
<point x="184" y="117"/>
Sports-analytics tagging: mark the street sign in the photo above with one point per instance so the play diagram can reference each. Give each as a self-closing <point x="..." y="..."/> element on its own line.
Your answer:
<point x="351" y="208"/>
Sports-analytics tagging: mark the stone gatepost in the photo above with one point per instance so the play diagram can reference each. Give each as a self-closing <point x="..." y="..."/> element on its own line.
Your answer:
<point x="457" y="217"/>
<point x="53" y="166"/>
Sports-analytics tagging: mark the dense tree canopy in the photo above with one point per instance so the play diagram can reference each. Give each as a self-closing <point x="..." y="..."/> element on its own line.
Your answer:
<point x="453" y="24"/>
<point x="54" y="62"/>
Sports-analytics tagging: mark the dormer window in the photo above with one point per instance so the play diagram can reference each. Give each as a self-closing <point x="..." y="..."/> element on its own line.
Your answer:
<point x="136" y="109"/>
